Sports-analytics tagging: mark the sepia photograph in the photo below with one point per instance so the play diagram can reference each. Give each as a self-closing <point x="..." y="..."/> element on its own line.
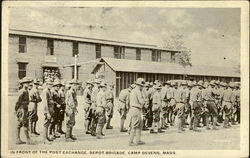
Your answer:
<point x="125" y="79"/>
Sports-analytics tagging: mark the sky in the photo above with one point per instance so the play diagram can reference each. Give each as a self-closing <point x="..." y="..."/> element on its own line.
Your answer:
<point x="212" y="34"/>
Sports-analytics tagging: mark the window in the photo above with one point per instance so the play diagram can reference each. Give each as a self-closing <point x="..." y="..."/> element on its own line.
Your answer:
<point x="21" y="70"/>
<point x="172" y="57"/>
<point x="156" y="55"/>
<point x="98" y="53"/>
<point x="73" y="72"/>
<point x="138" y="54"/>
<point x="22" y="44"/>
<point x="119" y="52"/>
<point x="50" y="47"/>
<point x="75" y="49"/>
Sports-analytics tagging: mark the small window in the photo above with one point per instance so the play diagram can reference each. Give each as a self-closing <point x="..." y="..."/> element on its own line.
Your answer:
<point x="119" y="52"/>
<point x="75" y="49"/>
<point x="73" y="72"/>
<point x="98" y="51"/>
<point x="172" y="57"/>
<point x="22" y="70"/>
<point x="50" y="47"/>
<point x="156" y="55"/>
<point x="22" y="44"/>
<point x="138" y="54"/>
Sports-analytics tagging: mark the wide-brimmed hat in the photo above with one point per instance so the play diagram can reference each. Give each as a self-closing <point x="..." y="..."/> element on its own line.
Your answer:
<point x="173" y="83"/>
<point x="205" y="85"/>
<point x="158" y="86"/>
<point x="36" y="81"/>
<point x="103" y="84"/>
<point x="73" y="81"/>
<point x="147" y="84"/>
<point x="156" y="82"/>
<point x="57" y="83"/>
<point x="140" y="82"/>
<point x="168" y="82"/>
<point x="184" y="82"/>
<point x="190" y="84"/>
<point x="25" y="80"/>
<point x="212" y="83"/>
<point x="194" y="83"/>
<point x="231" y="84"/>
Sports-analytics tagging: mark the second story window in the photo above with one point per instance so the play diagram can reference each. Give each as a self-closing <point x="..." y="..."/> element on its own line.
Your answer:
<point x="75" y="49"/>
<point x="172" y="57"/>
<point x="22" y="44"/>
<point x="50" y="47"/>
<point x="119" y="52"/>
<point x="138" y="54"/>
<point x="22" y="70"/>
<point x="98" y="53"/>
<point x="156" y="55"/>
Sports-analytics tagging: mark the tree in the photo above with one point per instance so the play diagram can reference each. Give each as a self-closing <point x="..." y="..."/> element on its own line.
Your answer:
<point x="176" y="42"/>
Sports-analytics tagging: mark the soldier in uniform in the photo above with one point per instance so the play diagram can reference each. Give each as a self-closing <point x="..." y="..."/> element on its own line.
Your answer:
<point x="136" y="104"/>
<point x="157" y="108"/>
<point x="145" y="106"/>
<point x="48" y="106"/>
<point x="71" y="109"/>
<point x="168" y="97"/>
<point x="61" y="94"/>
<point x="219" y="104"/>
<point x="186" y="88"/>
<point x="94" y="120"/>
<point x="234" y="103"/>
<point x="87" y="105"/>
<point x="57" y="107"/>
<point x="150" y="112"/>
<point x="196" y="105"/>
<point x="123" y="106"/>
<point x="172" y="101"/>
<point x="238" y="102"/>
<point x="101" y="105"/>
<point x="34" y="100"/>
<point x="21" y="110"/>
<point x="179" y="96"/>
<point x="110" y="105"/>
<point x="209" y="102"/>
<point x="164" y="106"/>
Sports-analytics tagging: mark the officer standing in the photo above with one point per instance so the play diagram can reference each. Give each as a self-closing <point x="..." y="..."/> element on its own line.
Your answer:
<point x="87" y="105"/>
<point x="136" y="104"/>
<point x="48" y="105"/>
<point x="21" y="109"/>
<point x="34" y="100"/>
<point x="71" y="109"/>
<point x="110" y="105"/>
<point x="150" y="112"/>
<point x="101" y="105"/>
<point x="172" y="102"/>
<point x="157" y="108"/>
<point x="209" y="102"/>
<point x="145" y="95"/>
<point x="61" y="94"/>
<point x="123" y="106"/>
<point x="164" y="106"/>
<point x="196" y="105"/>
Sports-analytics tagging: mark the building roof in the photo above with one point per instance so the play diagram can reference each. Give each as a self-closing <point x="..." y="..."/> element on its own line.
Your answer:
<point x="86" y="39"/>
<point x="139" y="66"/>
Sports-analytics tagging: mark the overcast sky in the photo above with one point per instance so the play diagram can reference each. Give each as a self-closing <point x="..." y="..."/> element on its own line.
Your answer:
<point x="213" y="35"/>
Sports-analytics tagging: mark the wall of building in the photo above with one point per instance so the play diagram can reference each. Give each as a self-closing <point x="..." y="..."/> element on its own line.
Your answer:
<point x="107" y="51"/>
<point x="165" y="57"/>
<point x="130" y="53"/>
<point x="146" y="55"/>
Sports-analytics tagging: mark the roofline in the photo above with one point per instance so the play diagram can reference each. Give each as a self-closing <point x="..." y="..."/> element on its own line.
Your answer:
<point x="86" y="39"/>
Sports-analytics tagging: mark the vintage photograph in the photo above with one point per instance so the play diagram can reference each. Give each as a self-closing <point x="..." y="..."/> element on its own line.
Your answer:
<point x="124" y="78"/>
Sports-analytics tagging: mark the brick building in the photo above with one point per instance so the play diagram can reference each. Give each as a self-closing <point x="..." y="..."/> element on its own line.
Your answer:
<point x="31" y="53"/>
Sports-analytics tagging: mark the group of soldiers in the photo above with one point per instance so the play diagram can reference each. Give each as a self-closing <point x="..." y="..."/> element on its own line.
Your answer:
<point x="153" y="106"/>
<point x="51" y="74"/>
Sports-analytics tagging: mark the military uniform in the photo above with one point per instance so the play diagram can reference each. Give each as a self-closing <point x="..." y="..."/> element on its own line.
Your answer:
<point x="61" y="94"/>
<point x="150" y="112"/>
<point x="145" y="106"/>
<point x="33" y="117"/>
<point x="93" y="110"/>
<point x="110" y="107"/>
<point x="123" y="107"/>
<point x="87" y="106"/>
<point x="171" y="104"/>
<point x="164" y="105"/>
<point x="136" y="104"/>
<point x="70" y="111"/>
<point x="56" y="114"/>
<point x="101" y="105"/>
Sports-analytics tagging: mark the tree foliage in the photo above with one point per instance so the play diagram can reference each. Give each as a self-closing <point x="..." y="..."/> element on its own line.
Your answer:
<point x="176" y="42"/>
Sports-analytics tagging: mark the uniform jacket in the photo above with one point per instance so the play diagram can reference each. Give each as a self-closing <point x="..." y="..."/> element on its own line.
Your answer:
<point x="61" y="94"/>
<point x="209" y="93"/>
<point x="56" y="98"/>
<point x="195" y="94"/>
<point x="47" y="101"/>
<point x="35" y="98"/>
<point x="229" y="96"/>
<point x="22" y="99"/>
<point x="156" y="101"/>
<point x="71" y="102"/>
<point x="87" y="96"/>
<point x="180" y="95"/>
<point x="124" y="96"/>
<point x="110" y="96"/>
<point x="136" y="99"/>
<point x="101" y="99"/>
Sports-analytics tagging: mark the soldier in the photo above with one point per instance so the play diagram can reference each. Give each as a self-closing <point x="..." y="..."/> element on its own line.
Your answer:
<point x="110" y="105"/>
<point x="57" y="106"/>
<point x="234" y="103"/>
<point x="186" y="88"/>
<point x="196" y="105"/>
<point x="209" y="102"/>
<point x="172" y="101"/>
<point x="71" y="109"/>
<point x="136" y="104"/>
<point x="48" y="106"/>
<point x="168" y="97"/>
<point x="93" y="107"/>
<point x="145" y="106"/>
<point x="35" y="98"/>
<point x="21" y="110"/>
<point x="61" y="94"/>
<point x="150" y="112"/>
<point x="123" y="106"/>
<point x="219" y="104"/>
<point x="157" y="101"/>
<point x="101" y="105"/>
<point x="238" y="103"/>
<point x="87" y="105"/>
<point x="179" y="96"/>
<point x="164" y="106"/>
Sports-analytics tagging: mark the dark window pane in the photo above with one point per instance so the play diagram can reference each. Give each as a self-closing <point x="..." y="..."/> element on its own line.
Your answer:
<point x="75" y="49"/>
<point x="98" y="50"/>
<point x="50" y="46"/>
<point x="21" y="70"/>
<point x="22" y="44"/>
<point x="138" y="54"/>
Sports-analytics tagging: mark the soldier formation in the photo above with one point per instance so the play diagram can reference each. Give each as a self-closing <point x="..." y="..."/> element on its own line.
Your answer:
<point x="153" y="106"/>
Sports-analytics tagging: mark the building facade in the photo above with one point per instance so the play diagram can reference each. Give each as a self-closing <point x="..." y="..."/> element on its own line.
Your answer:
<point x="32" y="53"/>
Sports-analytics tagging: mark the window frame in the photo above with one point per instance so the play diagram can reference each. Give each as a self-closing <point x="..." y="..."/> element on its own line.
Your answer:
<point x="138" y="54"/>
<point x="73" y="72"/>
<point x="22" y="70"/>
<point x="22" y="44"/>
<point x="50" y="47"/>
<point x="98" y="52"/>
<point x="75" y="48"/>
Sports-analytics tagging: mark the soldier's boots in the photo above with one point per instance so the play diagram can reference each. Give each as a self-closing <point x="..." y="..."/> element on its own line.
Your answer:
<point x="18" y="140"/>
<point x="46" y="138"/>
<point x="59" y="128"/>
<point x="152" y="131"/>
<point x="214" y="123"/>
<point x="29" y="141"/>
<point x="68" y="135"/>
<point x="160" y="131"/>
<point x="108" y="126"/>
